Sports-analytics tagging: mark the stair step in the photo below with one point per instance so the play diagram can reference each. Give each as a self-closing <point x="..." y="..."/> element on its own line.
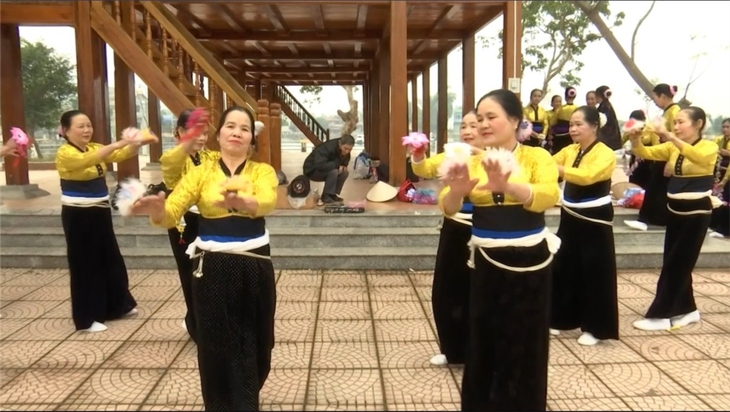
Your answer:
<point x="714" y="255"/>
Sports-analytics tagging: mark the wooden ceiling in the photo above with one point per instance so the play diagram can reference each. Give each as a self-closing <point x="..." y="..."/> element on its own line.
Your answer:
<point x="326" y="42"/>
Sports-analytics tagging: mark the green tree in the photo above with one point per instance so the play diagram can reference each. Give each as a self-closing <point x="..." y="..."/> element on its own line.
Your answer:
<point x="434" y="108"/>
<point x="48" y="86"/>
<point x="350" y="118"/>
<point x="556" y="34"/>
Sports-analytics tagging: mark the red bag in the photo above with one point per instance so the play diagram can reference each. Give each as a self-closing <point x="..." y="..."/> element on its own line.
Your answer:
<point x="635" y="201"/>
<point x="406" y="191"/>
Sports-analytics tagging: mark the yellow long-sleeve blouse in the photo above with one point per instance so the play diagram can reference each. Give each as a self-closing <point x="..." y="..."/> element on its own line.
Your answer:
<point x="536" y="168"/>
<point x="537" y="115"/>
<point x="428" y="167"/>
<point x="597" y="165"/>
<point x="669" y="114"/>
<point x="648" y="136"/>
<point x="699" y="159"/>
<point x="563" y="113"/>
<point x="722" y="143"/>
<point x="75" y="164"/>
<point x="201" y="186"/>
<point x="175" y="163"/>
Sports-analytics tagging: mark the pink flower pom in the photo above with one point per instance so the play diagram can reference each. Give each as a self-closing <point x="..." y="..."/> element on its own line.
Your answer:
<point x="525" y="131"/>
<point x="21" y="141"/>
<point x="416" y="140"/>
<point x="571" y="92"/>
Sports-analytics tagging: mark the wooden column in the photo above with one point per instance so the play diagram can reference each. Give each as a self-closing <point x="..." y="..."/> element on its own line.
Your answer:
<point x="155" y="124"/>
<point x="262" y="140"/>
<point x="414" y="104"/>
<point x="384" y="103"/>
<point x="366" y="115"/>
<point x="512" y="46"/>
<point x="258" y="90"/>
<point x="11" y="100"/>
<point x="468" y="70"/>
<point x="91" y="73"/>
<point x="124" y="98"/>
<point x="275" y="135"/>
<point x="443" y="90"/>
<point x="426" y="103"/>
<point x="375" y="109"/>
<point x="399" y="90"/>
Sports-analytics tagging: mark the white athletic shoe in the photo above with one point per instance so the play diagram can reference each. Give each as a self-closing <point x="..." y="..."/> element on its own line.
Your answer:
<point x="184" y="325"/>
<point x="635" y="224"/>
<point x="686" y="319"/>
<point x="134" y="311"/>
<point x="554" y="332"/>
<point x="587" y="339"/>
<point x="95" y="327"/>
<point x="439" y="360"/>
<point x="653" y="324"/>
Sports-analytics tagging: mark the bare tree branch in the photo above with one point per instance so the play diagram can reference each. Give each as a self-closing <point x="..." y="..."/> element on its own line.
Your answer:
<point x="636" y="31"/>
<point x="596" y="6"/>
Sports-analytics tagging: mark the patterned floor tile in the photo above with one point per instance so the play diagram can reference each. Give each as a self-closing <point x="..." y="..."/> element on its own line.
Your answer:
<point x="22" y="354"/>
<point x="44" y="329"/>
<point x="607" y="351"/>
<point x="699" y="377"/>
<point x="632" y="290"/>
<point x="294" y="330"/>
<point x="144" y="355"/>
<point x="198" y="407"/>
<point x="638" y="305"/>
<point x="636" y="379"/>
<point x="310" y="279"/>
<point x="561" y="355"/>
<point x="344" y="310"/>
<point x="716" y="346"/>
<point x="394" y="355"/>
<point x="33" y="278"/>
<point x="404" y="330"/>
<point x="711" y="289"/>
<point x="148" y="308"/>
<point x="118" y="330"/>
<point x="393" y="293"/>
<point x="718" y="402"/>
<point x="74" y="355"/>
<point x="699" y="328"/>
<point x="712" y="305"/>
<point x="49" y="293"/>
<point x="624" y="310"/>
<point x="187" y="358"/>
<point x="28" y="407"/>
<point x="114" y="386"/>
<point x="177" y="387"/>
<point x="600" y="404"/>
<point x="720" y="320"/>
<point x="286" y="293"/>
<point x="344" y="355"/>
<point x="398" y="310"/>
<point x="574" y="382"/>
<point x="291" y="355"/>
<point x="717" y="276"/>
<point x="7" y="274"/>
<point x="641" y="277"/>
<point x="663" y="348"/>
<point x="42" y="386"/>
<point x="23" y="309"/>
<point x="142" y="293"/>
<point x="16" y="292"/>
<point x="388" y="279"/>
<point x="10" y="326"/>
<point x="421" y="279"/>
<point x="666" y="403"/>
<point x="345" y="387"/>
<point x="350" y="407"/>
<point x="160" y="278"/>
<point x="172" y="309"/>
<point x="280" y="407"/>
<point x="344" y="279"/>
<point x="7" y="375"/>
<point x="285" y="386"/>
<point x="420" y="386"/>
<point x="97" y="407"/>
<point x="354" y="330"/>
<point x="295" y="310"/>
<point x="424" y="293"/>
<point x="161" y="330"/>
<point x="60" y="310"/>
<point x="345" y="294"/>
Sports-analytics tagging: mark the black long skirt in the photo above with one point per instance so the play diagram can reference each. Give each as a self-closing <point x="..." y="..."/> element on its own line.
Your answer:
<point x="720" y="221"/>
<point x="654" y="208"/>
<point x="234" y="303"/>
<point x="450" y="293"/>
<point x="99" y="281"/>
<point x="642" y="173"/>
<point x="682" y="244"/>
<point x="507" y="360"/>
<point x="584" y="275"/>
<point x="185" y="264"/>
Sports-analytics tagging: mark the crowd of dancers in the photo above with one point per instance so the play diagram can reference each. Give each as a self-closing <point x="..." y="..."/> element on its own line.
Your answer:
<point x="503" y="283"/>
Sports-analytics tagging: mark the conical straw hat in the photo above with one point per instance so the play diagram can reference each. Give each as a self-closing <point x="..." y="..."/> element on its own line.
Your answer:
<point x="382" y="192"/>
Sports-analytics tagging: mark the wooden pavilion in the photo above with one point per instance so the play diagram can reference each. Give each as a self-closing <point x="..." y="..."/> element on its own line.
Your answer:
<point x="219" y="53"/>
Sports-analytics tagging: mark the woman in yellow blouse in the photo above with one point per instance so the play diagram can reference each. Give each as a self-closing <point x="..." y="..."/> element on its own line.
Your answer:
<point x="584" y="275"/>
<point x="536" y="115"/>
<point x="689" y="203"/>
<point x="176" y="163"/>
<point x="723" y="158"/>
<point x="451" y="275"/>
<point x="234" y="293"/>
<point x="654" y="208"/>
<point x="640" y="170"/>
<point x="560" y="122"/>
<point x="99" y="281"/>
<point x="555" y="102"/>
<point x="506" y="366"/>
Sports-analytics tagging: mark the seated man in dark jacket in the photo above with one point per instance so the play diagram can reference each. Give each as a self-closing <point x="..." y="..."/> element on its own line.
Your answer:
<point x="328" y="163"/>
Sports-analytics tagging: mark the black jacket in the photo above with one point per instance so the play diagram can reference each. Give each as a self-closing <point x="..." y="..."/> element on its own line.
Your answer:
<point x="325" y="157"/>
<point x="610" y="134"/>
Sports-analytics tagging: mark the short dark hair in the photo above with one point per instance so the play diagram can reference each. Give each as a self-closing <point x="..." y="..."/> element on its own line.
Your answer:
<point x="665" y="89"/>
<point x="509" y="101"/>
<point x="66" y="120"/>
<point x="590" y="115"/>
<point x="346" y="139"/>
<point x="638" y="115"/>
<point x="228" y="111"/>
<point x="697" y="114"/>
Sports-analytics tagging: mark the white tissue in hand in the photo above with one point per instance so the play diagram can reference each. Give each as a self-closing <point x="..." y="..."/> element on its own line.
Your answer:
<point x="130" y="191"/>
<point x="504" y="158"/>
<point x="633" y="125"/>
<point x="454" y="154"/>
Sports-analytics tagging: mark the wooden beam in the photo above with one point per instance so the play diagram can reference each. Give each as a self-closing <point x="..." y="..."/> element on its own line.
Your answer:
<point x="228" y="16"/>
<point x="468" y="69"/>
<point x="260" y="48"/>
<point x="313" y="76"/>
<point x="383" y="133"/>
<point x="414" y="104"/>
<point x="512" y="43"/>
<point x="362" y="18"/>
<point x="322" y="55"/>
<point x="445" y="15"/>
<point x="426" y="102"/>
<point x="331" y="35"/>
<point x="306" y="70"/>
<point x="230" y="48"/>
<point x="11" y="100"/>
<point x="155" y="124"/>
<point x="349" y="2"/>
<point x="55" y="14"/>
<point x="318" y="18"/>
<point x="489" y="16"/>
<point x="125" y="103"/>
<point x="398" y="90"/>
<point x="443" y="91"/>
<point x="186" y="17"/>
<point x="276" y="19"/>
<point x="386" y="29"/>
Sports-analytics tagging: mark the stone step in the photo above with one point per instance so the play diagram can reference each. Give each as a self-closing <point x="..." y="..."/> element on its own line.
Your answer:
<point x="714" y="255"/>
<point x="292" y="237"/>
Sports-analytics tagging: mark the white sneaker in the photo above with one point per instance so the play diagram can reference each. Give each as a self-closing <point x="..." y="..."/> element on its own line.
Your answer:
<point x="716" y="235"/>
<point x="554" y="332"/>
<point x="635" y="224"/>
<point x="439" y="360"/>
<point x="686" y="319"/>
<point x="95" y="327"/>
<point x="184" y="325"/>
<point x="653" y="324"/>
<point x="134" y="311"/>
<point x="587" y="339"/>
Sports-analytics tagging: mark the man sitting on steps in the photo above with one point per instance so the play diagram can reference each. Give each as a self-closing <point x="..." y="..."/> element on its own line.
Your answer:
<point x="328" y="163"/>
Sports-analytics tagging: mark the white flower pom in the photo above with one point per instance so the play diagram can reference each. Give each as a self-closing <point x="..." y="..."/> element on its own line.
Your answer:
<point x="454" y="154"/>
<point x="602" y="120"/>
<point x="258" y="126"/>
<point x="130" y="191"/>
<point x="504" y="158"/>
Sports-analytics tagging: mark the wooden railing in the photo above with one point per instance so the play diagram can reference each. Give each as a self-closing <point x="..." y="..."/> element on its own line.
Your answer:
<point x="285" y="97"/>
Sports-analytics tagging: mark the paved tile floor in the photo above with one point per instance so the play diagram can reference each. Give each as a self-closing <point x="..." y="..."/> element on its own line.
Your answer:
<point x="345" y="341"/>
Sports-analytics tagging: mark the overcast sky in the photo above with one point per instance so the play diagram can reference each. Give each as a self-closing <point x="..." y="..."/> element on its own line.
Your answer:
<point x="664" y="51"/>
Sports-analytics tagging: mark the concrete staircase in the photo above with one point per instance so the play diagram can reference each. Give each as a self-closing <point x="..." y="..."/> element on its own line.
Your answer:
<point x="315" y="240"/>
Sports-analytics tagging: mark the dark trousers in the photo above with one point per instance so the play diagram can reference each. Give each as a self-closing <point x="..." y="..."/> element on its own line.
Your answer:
<point x="185" y="264"/>
<point x="333" y="180"/>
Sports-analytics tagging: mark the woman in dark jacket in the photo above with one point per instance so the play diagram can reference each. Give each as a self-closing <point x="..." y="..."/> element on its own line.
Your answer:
<point x="610" y="134"/>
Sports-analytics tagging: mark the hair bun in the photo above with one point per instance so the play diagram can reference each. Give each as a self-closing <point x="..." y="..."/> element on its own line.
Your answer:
<point x="674" y="90"/>
<point x="608" y="93"/>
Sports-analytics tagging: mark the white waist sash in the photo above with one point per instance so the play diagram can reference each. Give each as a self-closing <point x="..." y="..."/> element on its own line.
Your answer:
<point x="601" y="201"/>
<point x="463" y="218"/>
<point x="716" y="202"/>
<point x="481" y="243"/>
<point x="85" y="201"/>
<point x="233" y="248"/>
